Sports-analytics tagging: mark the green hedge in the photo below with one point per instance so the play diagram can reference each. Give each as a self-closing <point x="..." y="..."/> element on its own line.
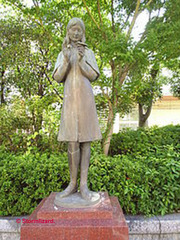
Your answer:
<point x="28" y="178"/>
<point x="148" y="185"/>
<point x="145" y="140"/>
<point x="144" y="184"/>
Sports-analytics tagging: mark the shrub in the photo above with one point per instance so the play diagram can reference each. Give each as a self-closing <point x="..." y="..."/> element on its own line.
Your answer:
<point x="22" y="126"/>
<point x="144" y="140"/>
<point x="26" y="179"/>
<point x="147" y="185"/>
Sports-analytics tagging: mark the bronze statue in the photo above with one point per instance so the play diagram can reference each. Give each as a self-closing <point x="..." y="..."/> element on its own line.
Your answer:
<point x="76" y="67"/>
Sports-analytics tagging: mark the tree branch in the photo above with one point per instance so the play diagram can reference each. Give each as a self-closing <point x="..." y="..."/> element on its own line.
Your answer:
<point x="35" y="3"/>
<point x="33" y="19"/>
<point x="105" y="94"/>
<point x="2" y="87"/>
<point x="125" y="22"/>
<point x="55" y="90"/>
<point x="112" y="15"/>
<point x="148" y="111"/>
<point x="38" y="13"/>
<point x="99" y="12"/>
<point x="150" y="1"/>
<point x="92" y="18"/>
<point x="124" y="74"/>
<point x="97" y="25"/>
<point x="100" y="67"/>
<point x="45" y="73"/>
<point x="136" y="14"/>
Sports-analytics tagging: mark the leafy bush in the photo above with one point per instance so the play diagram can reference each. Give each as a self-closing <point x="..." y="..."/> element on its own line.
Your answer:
<point x="21" y="128"/>
<point x="143" y="184"/>
<point x="26" y="179"/>
<point x="143" y="141"/>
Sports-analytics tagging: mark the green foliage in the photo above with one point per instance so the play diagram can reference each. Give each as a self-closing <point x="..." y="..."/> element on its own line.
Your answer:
<point x="14" y="122"/>
<point x="19" y="130"/>
<point x="175" y="79"/>
<point x="147" y="184"/>
<point x="146" y="85"/>
<point x="145" y="141"/>
<point x="162" y="35"/>
<point x="28" y="178"/>
<point x="31" y="39"/>
<point x="32" y="36"/>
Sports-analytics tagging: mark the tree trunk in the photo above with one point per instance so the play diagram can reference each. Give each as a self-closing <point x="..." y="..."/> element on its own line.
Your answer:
<point x="143" y="117"/>
<point x="39" y="117"/>
<point x="143" y="123"/>
<point x="107" y="139"/>
<point x="2" y="87"/>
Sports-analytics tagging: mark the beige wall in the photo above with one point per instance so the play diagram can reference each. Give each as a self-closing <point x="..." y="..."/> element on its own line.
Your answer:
<point x="163" y="117"/>
<point x="165" y="111"/>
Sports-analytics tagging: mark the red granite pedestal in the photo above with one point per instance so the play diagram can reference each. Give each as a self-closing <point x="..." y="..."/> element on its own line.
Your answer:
<point x="104" y="221"/>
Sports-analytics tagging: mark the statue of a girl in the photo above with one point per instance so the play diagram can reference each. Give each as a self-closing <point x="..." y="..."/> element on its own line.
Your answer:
<point x="76" y="67"/>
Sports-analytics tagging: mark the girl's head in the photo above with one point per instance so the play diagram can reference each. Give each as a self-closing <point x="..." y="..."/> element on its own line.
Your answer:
<point x="75" y="31"/>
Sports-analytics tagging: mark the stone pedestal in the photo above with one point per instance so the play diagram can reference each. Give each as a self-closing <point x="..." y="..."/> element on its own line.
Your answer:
<point x="104" y="221"/>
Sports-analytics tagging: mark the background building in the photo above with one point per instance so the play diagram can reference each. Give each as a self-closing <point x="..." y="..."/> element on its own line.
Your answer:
<point x="165" y="111"/>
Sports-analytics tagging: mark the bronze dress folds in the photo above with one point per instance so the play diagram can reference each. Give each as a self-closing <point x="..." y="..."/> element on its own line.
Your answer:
<point x="79" y="121"/>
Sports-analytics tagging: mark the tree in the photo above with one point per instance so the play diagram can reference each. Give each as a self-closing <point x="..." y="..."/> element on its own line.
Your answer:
<point x="12" y="47"/>
<point x="175" y="79"/>
<point x="109" y="26"/>
<point x="116" y="47"/>
<point x="147" y="90"/>
<point x="27" y="64"/>
<point x="163" y="37"/>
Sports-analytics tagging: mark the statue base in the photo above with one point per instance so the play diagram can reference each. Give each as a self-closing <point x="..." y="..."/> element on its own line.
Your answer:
<point x="76" y="201"/>
<point x="105" y="220"/>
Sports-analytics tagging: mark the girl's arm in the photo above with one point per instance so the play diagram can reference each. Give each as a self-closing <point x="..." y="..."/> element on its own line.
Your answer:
<point x="89" y="66"/>
<point x="61" y="68"/>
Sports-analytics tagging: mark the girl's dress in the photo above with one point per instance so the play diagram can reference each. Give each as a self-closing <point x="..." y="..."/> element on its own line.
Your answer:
<point x="79" y="121"/>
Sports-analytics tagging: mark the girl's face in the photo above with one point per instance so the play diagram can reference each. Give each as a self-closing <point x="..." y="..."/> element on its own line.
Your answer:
<point x="75" y="33"/>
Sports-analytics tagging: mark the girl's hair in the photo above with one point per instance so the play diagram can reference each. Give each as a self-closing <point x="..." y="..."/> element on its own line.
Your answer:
<point x="72" y="22"/>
